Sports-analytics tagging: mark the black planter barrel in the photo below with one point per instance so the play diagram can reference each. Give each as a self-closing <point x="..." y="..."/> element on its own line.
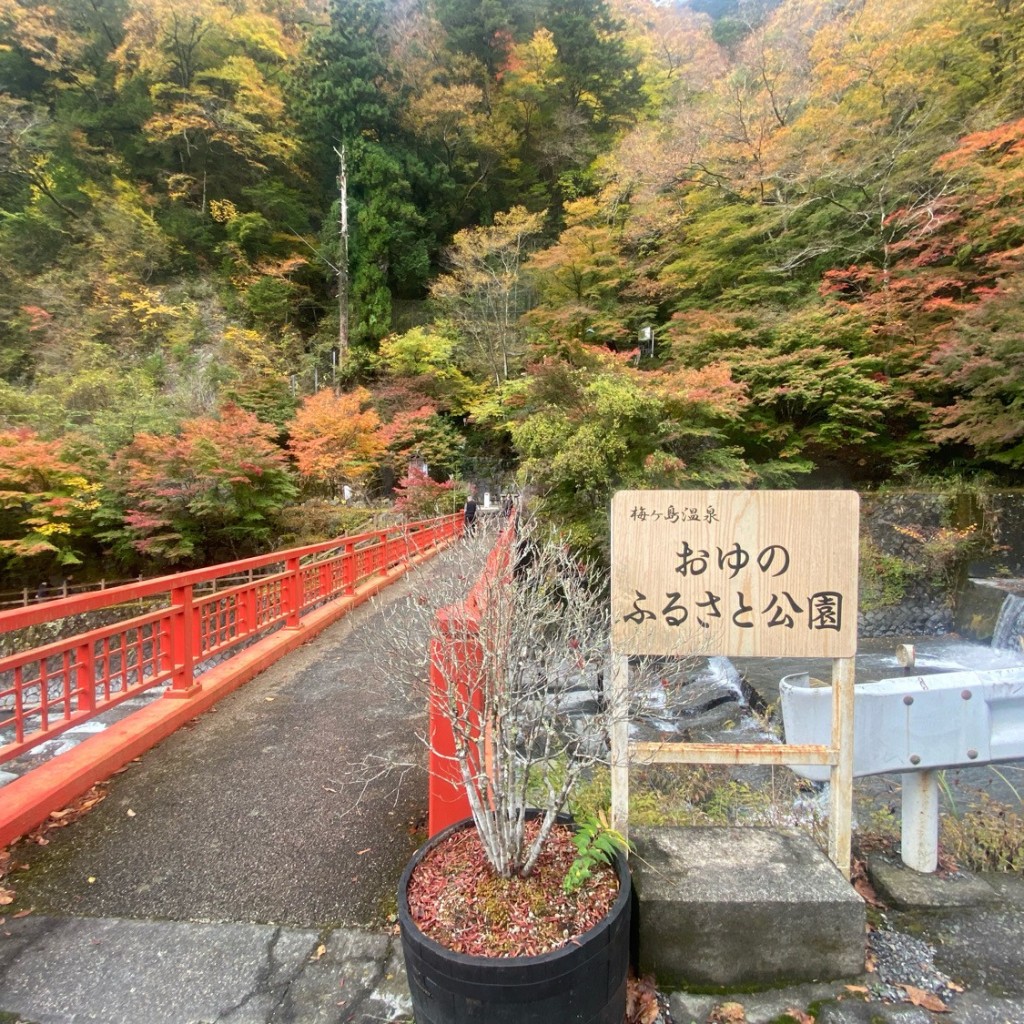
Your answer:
<point x="581" y="983"/>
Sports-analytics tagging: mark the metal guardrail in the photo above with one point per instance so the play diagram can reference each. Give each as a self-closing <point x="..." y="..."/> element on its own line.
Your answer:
<point x="191" y="622"/>
<point x="916" y="725"/>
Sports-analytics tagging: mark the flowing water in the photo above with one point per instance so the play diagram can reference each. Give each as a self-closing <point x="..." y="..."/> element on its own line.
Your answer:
<point x="1009" y="630"/>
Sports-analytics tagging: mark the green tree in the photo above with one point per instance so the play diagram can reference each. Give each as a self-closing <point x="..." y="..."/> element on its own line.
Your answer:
<point x="485" y="29"/>
<point x="598" y="77"/>
<point x="584" y="431"/>
<point x="485" y="291"/>
<point x="426" y="357"/>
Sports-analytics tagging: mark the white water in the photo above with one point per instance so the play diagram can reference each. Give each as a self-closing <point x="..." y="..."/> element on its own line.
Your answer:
<point x="1009" y="630"/>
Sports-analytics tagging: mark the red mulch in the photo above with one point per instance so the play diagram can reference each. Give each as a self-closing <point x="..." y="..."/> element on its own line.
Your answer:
<point x="457" y="900"/>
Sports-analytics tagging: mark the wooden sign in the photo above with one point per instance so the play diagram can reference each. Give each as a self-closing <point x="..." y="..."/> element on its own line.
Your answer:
<point x="738" y="573"/>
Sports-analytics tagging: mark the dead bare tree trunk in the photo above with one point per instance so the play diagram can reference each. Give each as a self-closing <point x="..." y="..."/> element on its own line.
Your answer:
<point x="342" y="268"/>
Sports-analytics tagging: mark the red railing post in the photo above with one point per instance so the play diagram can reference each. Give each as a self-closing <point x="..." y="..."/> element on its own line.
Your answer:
<point x="250" y="608"/>
<point x="348" y="567"/>
<point x="85" y="677"/>
<point x="182" y="639"/>
<point x="293" y="593"/>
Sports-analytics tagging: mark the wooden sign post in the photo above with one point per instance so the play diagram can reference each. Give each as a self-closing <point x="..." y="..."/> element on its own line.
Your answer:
<point x="742" y="574"/>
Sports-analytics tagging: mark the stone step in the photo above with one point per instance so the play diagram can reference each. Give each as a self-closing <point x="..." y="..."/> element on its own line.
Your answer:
<point x="750" y="907"/>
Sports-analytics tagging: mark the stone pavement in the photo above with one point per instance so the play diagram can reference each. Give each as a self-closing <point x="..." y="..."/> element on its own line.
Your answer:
<point x="58" y="970"/>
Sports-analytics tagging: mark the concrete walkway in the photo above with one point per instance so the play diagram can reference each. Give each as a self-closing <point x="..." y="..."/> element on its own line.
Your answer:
<point x="245" y="869"/>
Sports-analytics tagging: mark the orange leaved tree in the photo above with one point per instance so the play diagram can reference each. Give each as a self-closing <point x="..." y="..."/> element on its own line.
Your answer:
<point x="336" y="440"/>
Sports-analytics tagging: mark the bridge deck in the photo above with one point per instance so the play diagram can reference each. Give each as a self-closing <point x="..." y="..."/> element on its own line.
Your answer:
<point x="247" y="814"/>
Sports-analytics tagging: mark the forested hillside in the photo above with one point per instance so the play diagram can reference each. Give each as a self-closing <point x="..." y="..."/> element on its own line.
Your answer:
<point x="256" y="252"/>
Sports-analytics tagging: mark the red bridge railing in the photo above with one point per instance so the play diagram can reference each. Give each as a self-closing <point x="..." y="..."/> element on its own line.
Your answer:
<point x="455" y="658"/>
<point x="169" y="631"/>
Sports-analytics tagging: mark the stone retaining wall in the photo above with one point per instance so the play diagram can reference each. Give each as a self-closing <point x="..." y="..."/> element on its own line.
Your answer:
<point x="906" y="525"/>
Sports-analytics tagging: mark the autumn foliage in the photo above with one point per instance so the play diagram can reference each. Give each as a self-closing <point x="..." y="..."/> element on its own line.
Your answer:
<point x="336" y="439"/>
<point x="605" y="243"/>
<point x="45" y="500"/>
<point x="208" y="492"/>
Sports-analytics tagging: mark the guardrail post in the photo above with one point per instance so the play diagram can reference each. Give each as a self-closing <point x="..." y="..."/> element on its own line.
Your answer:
<point x="919" y="835"/>
<point x="182" y="637"/>
<point x="293" y="593"/>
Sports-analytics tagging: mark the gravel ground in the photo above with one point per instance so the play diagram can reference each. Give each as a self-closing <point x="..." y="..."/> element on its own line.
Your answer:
<point x="900" y="960"/>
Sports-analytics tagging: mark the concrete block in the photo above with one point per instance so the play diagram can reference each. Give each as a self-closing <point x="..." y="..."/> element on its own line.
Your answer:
<point x="722" y="908"/>
<point x="905" y="889"/>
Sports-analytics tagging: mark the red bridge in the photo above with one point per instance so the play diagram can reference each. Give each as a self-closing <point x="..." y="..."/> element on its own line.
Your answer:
<point x="195" y="636"/>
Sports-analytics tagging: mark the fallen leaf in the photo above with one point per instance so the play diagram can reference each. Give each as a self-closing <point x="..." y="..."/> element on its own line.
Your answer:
<point x="320" y="950"/>
<point x="954" y="987"/>
<point x="641" y="1001"/>
<point x="329" y="790"/>
<point x="359" y="853"/>
<point x="926" y="1000"/>
<point x="269" y="698"/>
<point x="728" y="1013"/>
<point x="798" y="1016"/>
<point x="91" y="879"/>
<point x="862" y="884"/>
<point x="859" y="989"/>
<point x="22" y="913"/>
<point x="131" y="813"/>
<point x="6" y="897"/>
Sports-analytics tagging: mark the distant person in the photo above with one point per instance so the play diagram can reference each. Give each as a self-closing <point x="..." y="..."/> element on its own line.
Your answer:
<point x="469" y="516"/>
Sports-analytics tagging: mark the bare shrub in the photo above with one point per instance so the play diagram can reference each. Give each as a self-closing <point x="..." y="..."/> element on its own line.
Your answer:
<point x="518" y="673"/>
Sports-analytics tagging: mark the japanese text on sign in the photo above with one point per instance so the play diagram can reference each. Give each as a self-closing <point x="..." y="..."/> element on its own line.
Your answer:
<point x="770" y="572"/>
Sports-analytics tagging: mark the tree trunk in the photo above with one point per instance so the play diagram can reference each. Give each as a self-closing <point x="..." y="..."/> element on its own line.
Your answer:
<point x="342" y="257"/>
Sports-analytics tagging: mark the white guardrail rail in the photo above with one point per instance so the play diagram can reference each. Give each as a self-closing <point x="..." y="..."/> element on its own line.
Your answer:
<point x="915" y="725"/>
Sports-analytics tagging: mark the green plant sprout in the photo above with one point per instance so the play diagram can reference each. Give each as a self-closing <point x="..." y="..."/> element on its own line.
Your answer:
<point x="598" y="843"/>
